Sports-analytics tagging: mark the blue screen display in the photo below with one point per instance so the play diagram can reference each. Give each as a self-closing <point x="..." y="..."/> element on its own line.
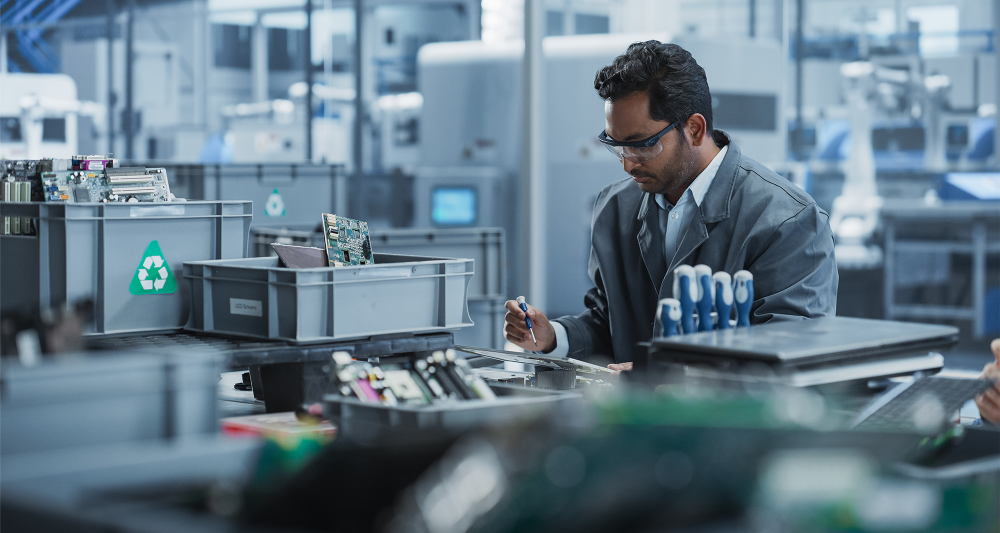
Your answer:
<point x="454" y="206"/>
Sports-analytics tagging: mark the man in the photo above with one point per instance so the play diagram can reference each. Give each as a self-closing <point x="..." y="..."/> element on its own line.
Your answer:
<point x="989" y="401"/>
<point x="693" y="198"/>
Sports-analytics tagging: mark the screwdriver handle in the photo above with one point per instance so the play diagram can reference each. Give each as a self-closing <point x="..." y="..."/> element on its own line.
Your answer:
<point x="706" y="295"/>
<point x="670" y="316"/>
<point x="524" y="307"/>
<point x="685" y="291"/>
<point x="723" y="298"/>
<point x="743" y="296"/>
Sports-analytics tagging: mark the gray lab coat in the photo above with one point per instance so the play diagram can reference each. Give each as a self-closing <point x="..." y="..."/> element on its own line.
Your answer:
<point x="750" y="219"/>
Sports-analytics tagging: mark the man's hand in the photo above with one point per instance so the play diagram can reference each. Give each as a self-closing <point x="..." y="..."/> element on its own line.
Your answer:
<point x="516" y="331"/>
<point x="620" y="367"/>
<point x="989" y="401"/>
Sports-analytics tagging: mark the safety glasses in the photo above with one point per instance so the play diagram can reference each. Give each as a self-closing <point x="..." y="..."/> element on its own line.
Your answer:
<point x="636" y="151"/>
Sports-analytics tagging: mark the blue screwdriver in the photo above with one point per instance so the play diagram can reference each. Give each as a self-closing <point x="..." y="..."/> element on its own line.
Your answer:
<point x="706" y="295"/>
<point x="524" y="307"/>
<point x="743" y="292"/>
<point x="685" y="291"/>
<point x="670" y="316"/>
<point x="723" y="298"/>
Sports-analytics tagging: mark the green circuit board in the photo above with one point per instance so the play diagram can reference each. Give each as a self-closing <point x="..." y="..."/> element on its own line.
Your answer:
<point x="128" y="184"/>
<point x="347" y="241"/>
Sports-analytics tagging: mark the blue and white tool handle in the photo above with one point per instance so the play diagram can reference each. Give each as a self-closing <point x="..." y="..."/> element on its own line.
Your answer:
<point x="686" y="291"/>
<point x="743" y="296"/>
<point x="705" y="298"/>
<point x="723" y="283"/>
<point x="668" y="315"/>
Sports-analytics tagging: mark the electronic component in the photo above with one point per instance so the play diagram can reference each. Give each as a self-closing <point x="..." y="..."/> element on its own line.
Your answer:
<point x="17" y="191"/>
<point x="83" y="179"/>
<point x="417" y="380"/>
<point x="447" y="368"/>
<point x="92" y="162"/>
<point x="124" y="184"/>
<point x="432" y="382"/>
<point x="406" y="388"/>
<point x="347" y="241"/>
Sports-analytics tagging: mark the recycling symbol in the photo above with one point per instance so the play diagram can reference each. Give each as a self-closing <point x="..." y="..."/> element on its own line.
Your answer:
<point x="275" y="206"/>
<point x="153" y="276"/>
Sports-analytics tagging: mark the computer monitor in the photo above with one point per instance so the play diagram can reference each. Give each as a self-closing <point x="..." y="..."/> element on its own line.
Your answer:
<point x="454" y="206"/>
<point x="970" y="186"/>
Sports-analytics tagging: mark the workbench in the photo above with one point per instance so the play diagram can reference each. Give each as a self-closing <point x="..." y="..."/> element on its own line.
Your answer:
<point x="283" y="375"/>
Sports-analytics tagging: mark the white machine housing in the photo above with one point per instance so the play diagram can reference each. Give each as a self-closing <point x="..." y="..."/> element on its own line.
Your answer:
<point x="28" y="100"/>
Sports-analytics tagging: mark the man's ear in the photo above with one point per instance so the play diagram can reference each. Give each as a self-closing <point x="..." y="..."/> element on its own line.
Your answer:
<point x="695" y="129"/>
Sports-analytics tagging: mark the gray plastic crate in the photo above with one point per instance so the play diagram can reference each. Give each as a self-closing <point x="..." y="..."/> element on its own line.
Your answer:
<point x="352" y="416"/>
<point x="488" y="329"/>
<point x="105" y="397"/>
<point x="257" y="298"/>
<point x="485" y="245"/>
<point x="305" y="190"/>
<point x="96" y="251"/>
<point x="261" y="239"/>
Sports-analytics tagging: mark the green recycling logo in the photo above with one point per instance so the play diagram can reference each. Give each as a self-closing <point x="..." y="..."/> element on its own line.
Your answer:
<point x="153" y="275"/>
<point x="275" y="206"/>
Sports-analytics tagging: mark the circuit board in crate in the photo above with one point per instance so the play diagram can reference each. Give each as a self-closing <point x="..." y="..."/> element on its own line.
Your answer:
<point x="347" y="241"/>
<point x="122" y="184"/>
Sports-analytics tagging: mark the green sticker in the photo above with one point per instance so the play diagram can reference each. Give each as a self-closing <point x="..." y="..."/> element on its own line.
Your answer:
<point x="153" y="275"/>
<point x="275" y="206"/>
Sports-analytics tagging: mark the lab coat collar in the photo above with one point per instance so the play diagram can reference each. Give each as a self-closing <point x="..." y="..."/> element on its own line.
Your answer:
<point x="713" y="201"/>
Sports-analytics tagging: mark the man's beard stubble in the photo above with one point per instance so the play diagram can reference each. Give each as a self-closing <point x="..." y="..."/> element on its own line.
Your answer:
<point x="673" y="177"/>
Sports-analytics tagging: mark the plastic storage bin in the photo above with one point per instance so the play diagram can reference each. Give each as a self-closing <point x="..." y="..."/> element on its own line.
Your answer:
<point x="488" y="331"/>
<point x="282" y="194"/>
<point x="352" y="416"/>
<point x="103" y="397"/>
<point x="257" y="298"/>
<point x="101" y="251"/>
<point x="485" y="245"/>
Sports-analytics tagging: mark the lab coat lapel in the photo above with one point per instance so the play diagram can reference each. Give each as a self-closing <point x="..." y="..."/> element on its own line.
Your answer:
<point x="696" y="234"/>
<point x="650" y="240"/>
<point x="714" y="208"/>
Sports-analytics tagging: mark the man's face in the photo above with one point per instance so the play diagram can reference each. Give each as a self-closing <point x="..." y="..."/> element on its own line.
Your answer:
<point x="627" y="119"/>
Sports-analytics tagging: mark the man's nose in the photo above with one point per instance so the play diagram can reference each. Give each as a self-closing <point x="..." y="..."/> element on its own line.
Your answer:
<point x="628" y="165"/>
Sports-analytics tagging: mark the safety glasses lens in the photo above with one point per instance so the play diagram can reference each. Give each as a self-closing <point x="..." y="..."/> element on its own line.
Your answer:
<point x="635" y="155"/>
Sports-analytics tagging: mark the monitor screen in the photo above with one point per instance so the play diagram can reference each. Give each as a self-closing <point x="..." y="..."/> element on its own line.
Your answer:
<point x="454" y="206"/>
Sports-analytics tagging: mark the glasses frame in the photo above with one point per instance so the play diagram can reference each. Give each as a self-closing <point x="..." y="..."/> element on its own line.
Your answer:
<point x="648" y="142"/>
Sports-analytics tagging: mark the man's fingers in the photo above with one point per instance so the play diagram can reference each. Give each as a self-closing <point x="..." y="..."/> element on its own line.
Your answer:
<point x="989" y="408"/>
<point x="515" y="325"/>
<point x="984" y="410"/>
<point x="995" y="346"/>
<point x="991" y="370"/>
<point x="514" y="320"/>
<point x="992" y="395"/>
<point x="537" y="316"/>
<point x="513" y="334"/>
<point x="512" y="307"/>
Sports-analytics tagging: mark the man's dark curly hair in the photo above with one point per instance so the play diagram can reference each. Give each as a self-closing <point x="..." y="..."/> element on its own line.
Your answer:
<point x="676" y="84"/>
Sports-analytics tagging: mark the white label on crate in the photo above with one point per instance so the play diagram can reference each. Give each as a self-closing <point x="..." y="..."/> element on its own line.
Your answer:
<point x="239" y="306"/>
<point x="156" y="211"/>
